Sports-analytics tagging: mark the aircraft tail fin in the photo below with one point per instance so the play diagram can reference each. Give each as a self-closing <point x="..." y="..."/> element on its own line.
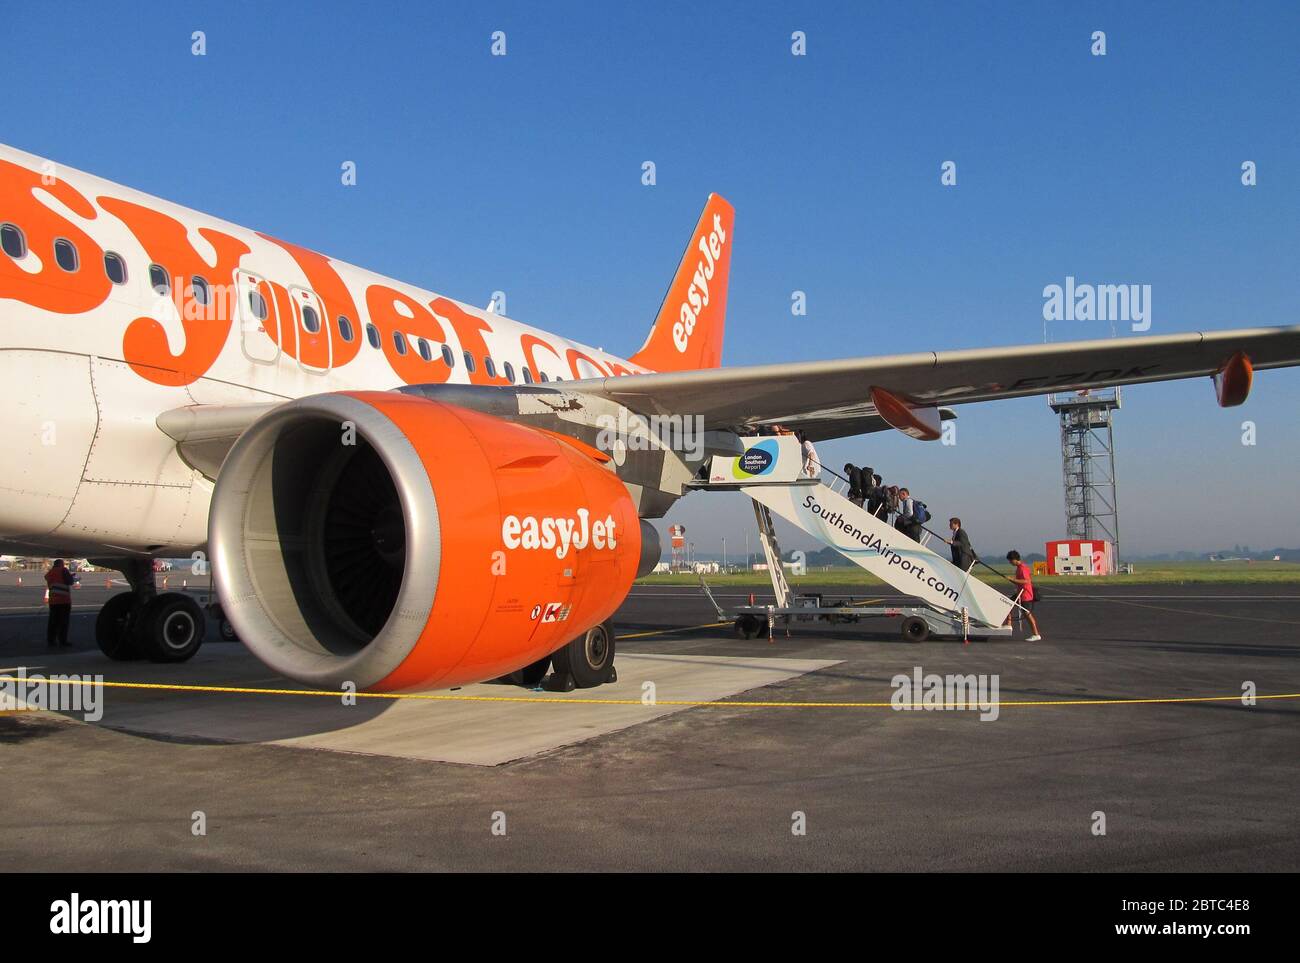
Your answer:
<point x="687" y="333"/>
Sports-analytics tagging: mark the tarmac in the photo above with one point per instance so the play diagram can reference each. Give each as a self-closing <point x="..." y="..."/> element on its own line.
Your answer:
<point x="749" y="755"/>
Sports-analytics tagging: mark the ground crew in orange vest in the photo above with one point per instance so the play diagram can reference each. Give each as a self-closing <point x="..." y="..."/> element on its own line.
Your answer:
<point x="58" y="585"/>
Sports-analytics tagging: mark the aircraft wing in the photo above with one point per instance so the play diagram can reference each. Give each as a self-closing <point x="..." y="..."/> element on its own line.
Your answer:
<point x="835" y="398"/>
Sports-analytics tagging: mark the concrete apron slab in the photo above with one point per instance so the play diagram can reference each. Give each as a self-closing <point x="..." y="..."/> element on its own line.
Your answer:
<point x="481" y="733"/>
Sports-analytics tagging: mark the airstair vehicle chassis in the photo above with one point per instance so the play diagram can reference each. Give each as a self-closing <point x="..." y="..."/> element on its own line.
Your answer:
<point x="919" y="622"/>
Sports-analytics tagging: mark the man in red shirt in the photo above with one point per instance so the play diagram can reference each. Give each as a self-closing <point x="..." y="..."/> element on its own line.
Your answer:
<point x="1021" y="575"/>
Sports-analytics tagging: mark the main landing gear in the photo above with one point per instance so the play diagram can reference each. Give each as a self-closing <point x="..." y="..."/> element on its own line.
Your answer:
<point x="143" y="624"/>
<point x="582" y="663"/>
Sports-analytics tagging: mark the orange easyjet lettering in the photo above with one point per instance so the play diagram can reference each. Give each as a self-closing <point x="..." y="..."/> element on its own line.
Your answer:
<point x="393" y="312"/>
<point x="469" y="330"/>
<point x="165" y="239"/>
<point x="50" y="288"/>
<point x="335" y="300"/>
<point x="530" y="343"/>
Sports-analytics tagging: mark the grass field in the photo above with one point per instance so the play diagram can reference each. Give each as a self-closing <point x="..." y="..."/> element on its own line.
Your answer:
<point x="1145" y="573"/>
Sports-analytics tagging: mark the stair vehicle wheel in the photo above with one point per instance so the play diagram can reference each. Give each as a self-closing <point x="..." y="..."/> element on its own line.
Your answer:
<point x="588" y="659"/>
<point x="226" y="630"/>
<point x="171" y="628"/>
<point x="915" y="629"/>
<point x="115" y="628"/>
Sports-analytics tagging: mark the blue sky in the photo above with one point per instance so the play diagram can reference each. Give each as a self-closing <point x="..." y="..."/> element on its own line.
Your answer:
<point x="523" y="173"/>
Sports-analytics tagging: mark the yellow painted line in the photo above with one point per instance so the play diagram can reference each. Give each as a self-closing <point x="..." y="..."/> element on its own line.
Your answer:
<point x="535" y="700"/>
<point x="691" y="628"/>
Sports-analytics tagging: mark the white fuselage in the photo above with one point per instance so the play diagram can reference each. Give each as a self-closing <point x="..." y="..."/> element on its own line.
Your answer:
<point x="87" y="364"/>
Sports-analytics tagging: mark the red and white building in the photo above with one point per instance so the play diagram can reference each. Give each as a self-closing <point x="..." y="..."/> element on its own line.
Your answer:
<point x="1073" y="556"/>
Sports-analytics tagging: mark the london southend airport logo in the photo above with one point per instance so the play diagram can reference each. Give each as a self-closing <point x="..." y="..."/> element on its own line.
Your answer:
<point x="758" y="460"/>
<point x="697" y="295"/>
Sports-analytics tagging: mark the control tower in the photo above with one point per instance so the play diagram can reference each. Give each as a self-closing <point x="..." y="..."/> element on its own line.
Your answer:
<point x="1088" y="463"/>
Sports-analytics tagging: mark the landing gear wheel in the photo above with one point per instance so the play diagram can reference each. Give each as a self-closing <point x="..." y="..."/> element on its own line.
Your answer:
<point x="171" y="628"/>
<point x="530" y="676"/>
<point x="915" y="629"/>
<point x="748" y="626"/>
<point x="589" y="659"/>
<point x="115" y="628"/>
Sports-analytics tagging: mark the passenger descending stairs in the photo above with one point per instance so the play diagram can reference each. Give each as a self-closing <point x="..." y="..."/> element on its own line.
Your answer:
<point x="873" y="544"/>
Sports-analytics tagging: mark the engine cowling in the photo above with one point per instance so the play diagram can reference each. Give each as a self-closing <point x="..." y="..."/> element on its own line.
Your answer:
<point x="396" y="543"/>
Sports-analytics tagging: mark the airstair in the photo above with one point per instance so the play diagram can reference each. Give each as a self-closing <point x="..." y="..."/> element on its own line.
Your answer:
<point x="950" y="601"/>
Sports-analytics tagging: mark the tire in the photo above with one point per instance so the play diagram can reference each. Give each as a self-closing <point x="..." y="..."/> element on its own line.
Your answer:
<point x="915" y="629"/>
<point x="588" y="659"/>
<point x="226" y="630"/>
<point x="115" y="628"/>
<point x="171" y="628"/>
<point x="530" y="676"/>
<point x="749" y="626"/>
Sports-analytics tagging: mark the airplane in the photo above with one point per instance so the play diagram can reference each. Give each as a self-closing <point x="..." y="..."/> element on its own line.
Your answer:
<point x="394" y="489"/>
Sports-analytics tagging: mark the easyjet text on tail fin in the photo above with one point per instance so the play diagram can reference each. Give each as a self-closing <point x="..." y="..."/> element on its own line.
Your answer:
<point x="688" y="331"/>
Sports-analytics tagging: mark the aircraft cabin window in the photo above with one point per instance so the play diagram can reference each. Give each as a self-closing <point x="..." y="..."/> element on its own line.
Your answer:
<point x="490" y="367"/>
<point x="399" y="342"/>
<point x="257" y="304"/>
<point x="13" y="242"/>
<point x="160" y="280"/>
<point x="469" y="362"/>
<point x="448" y="357"/>
<point x="372" y="335"/>
<point x="528" y="375"/>
<point x="310" y="319"/>
<point x="200" y="288"/>
<point x="114" y="267"/>
<point x="509" y="369"/>
<point x="425" y="351"/>
<point x="65" y="254"/>
<point x="345" y="328"/>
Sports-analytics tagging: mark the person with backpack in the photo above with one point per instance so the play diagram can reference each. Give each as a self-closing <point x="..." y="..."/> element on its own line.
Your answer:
<point x="857" y="489"/>
<point x="874" y="495"/>
<point x="912" y="514"/>
<point x="878" y="498"/>
<point x="1022" y="576"/>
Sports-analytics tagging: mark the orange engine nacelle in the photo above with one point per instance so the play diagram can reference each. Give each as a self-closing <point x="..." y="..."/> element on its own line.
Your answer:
<point x="396" y="542"/>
